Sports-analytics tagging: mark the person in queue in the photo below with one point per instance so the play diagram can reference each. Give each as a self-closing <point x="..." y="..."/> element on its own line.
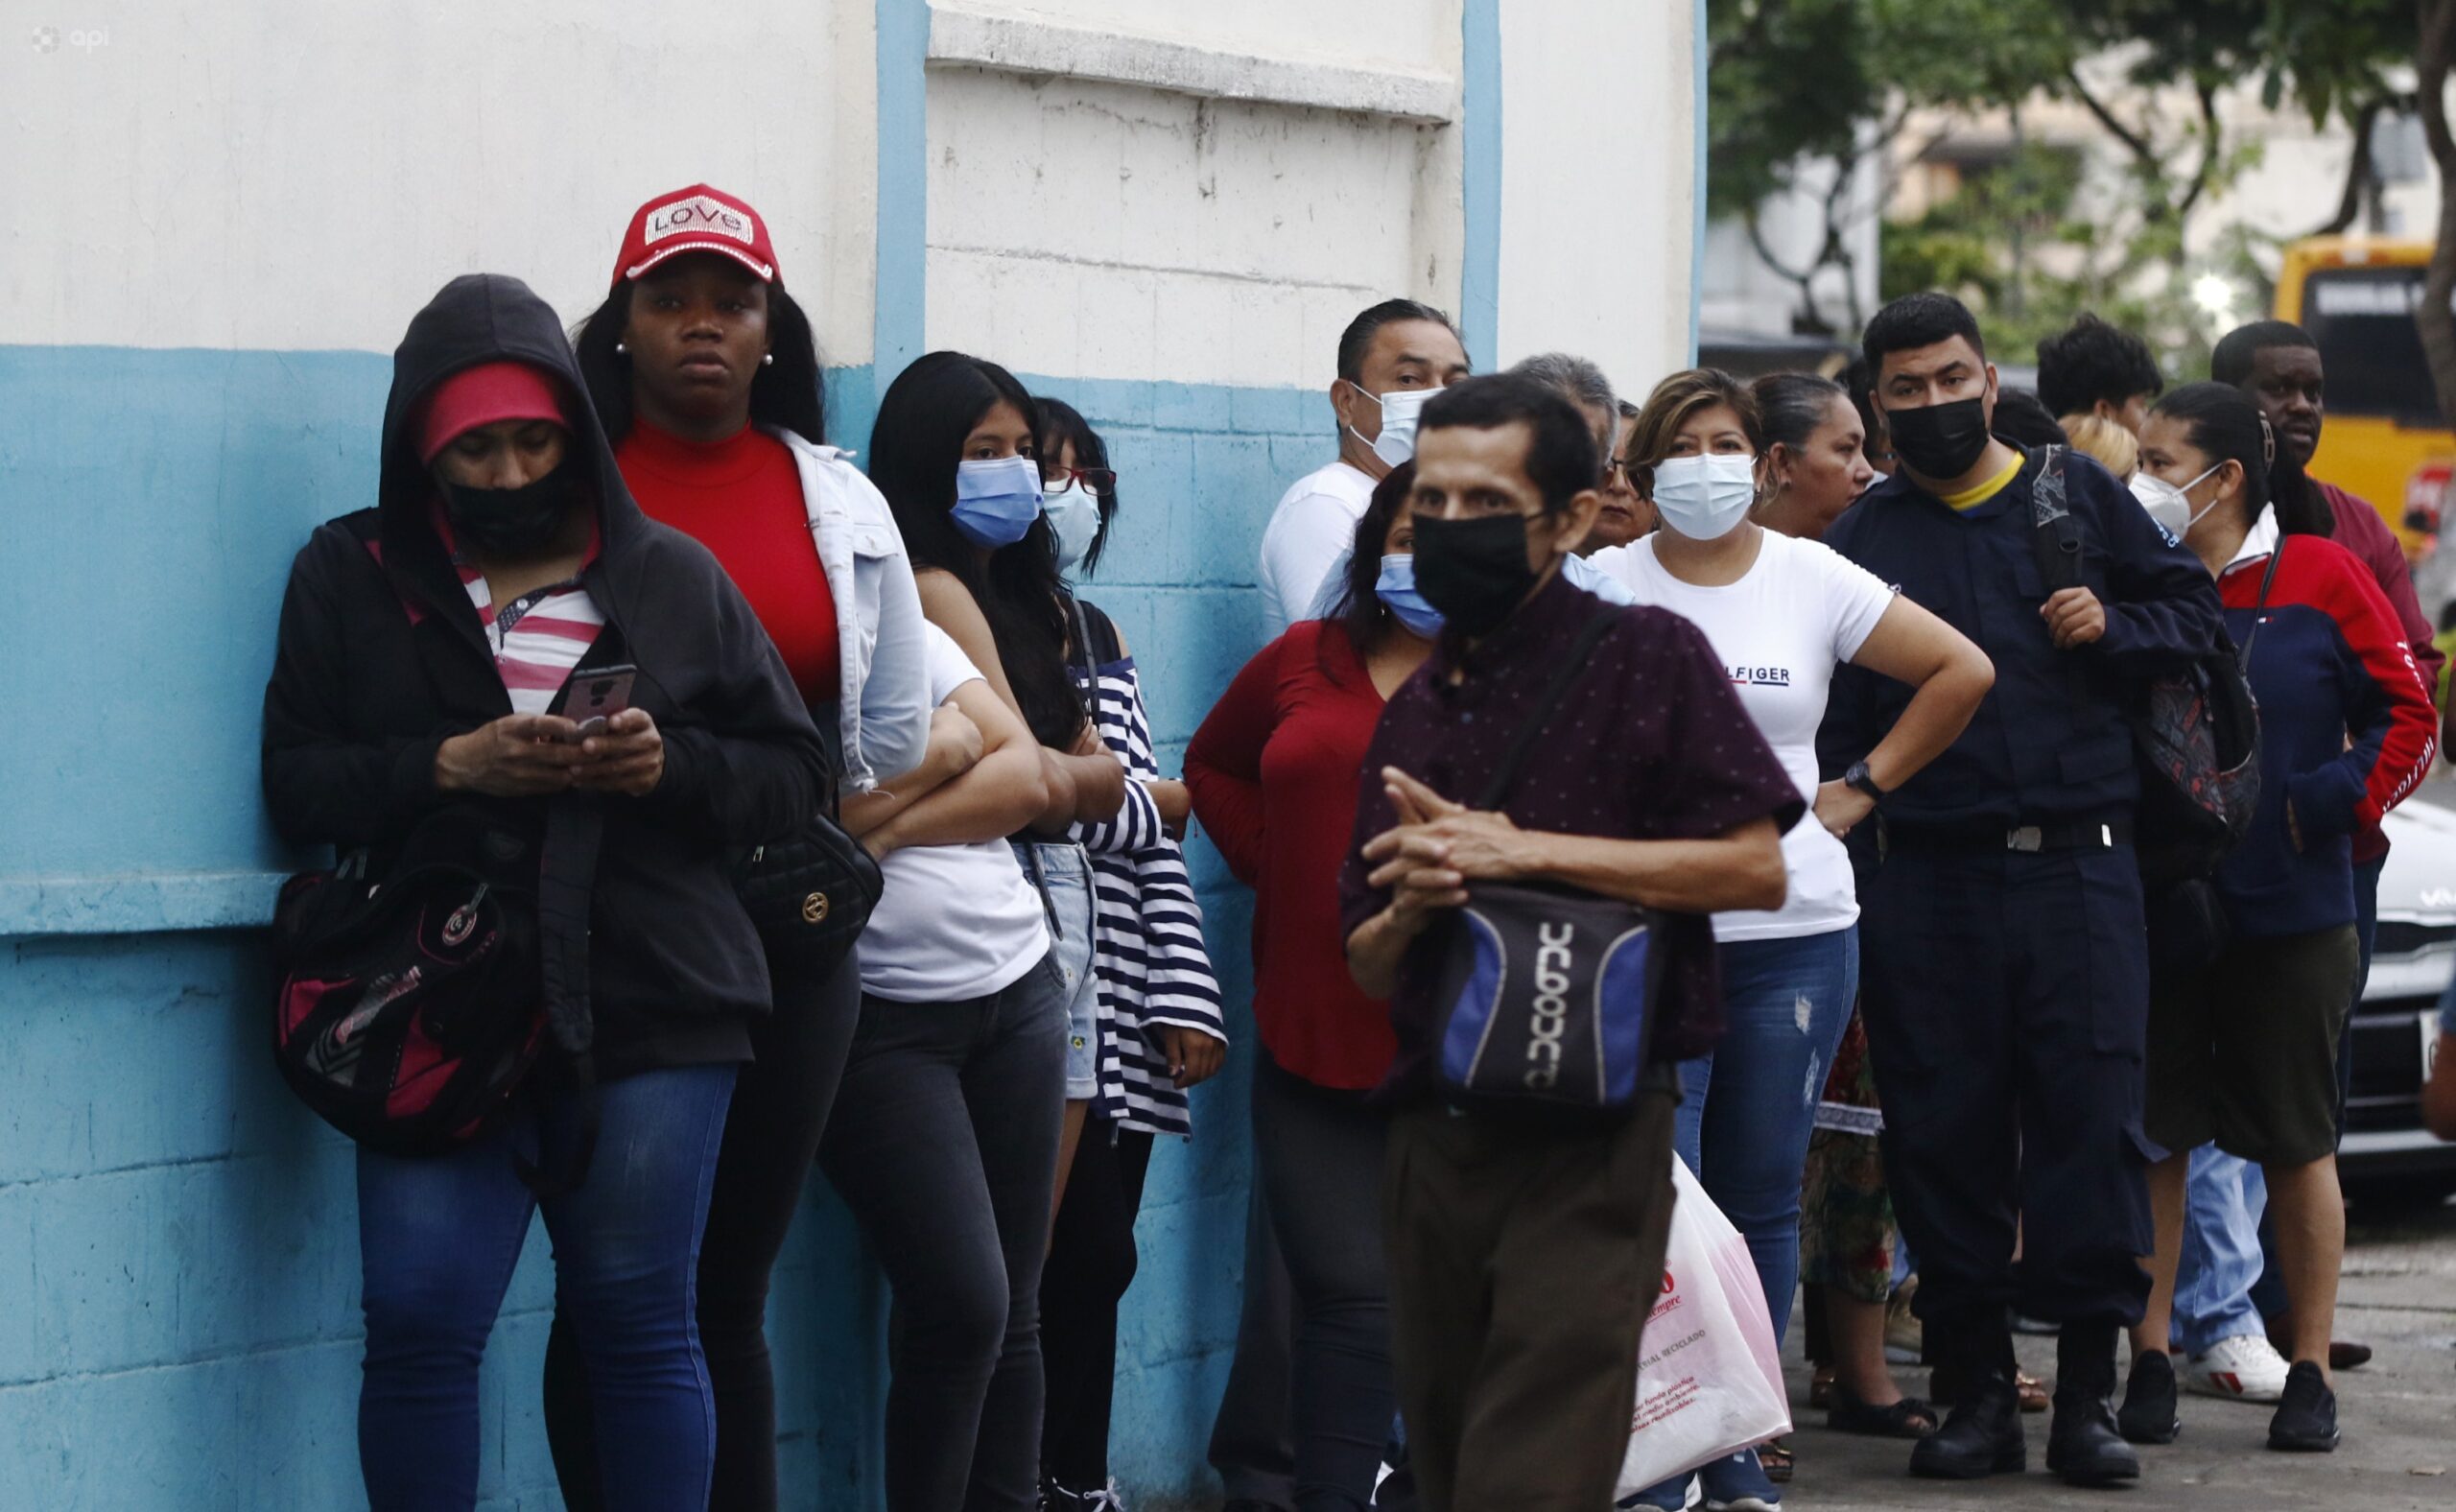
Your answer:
<point x="1627" y="515"/>
<point x="1522" y="1259"/>
<point x="423" y="644"/>
<point x="1815" y="454"/>
<point x="704" y="372"/>
<point x="2104" y="442"/>
<point x="1272" y="772"/>
<point x="2243" y="1053"/>
<point x="1159" y="1028"/>
<point x="953" y="450"/>
<point x="2277" y="365"/>
<point x="1392" y="358"/>
<point x="962" y="1022"/>
<point x="2015" y="1091"/>
<point x="1782" y="613"/>
<point x="2093" y="369"/>
<point x="945" y="1134"/>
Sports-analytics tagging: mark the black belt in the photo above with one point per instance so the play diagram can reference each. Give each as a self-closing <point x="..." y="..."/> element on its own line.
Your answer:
<point x="2025" y="839"/>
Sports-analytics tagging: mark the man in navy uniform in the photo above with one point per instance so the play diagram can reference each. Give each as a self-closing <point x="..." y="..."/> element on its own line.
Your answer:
<point x="2006" y="979"/>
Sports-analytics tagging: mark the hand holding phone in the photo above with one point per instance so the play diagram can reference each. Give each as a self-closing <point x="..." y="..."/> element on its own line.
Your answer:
<point x="593" y="697"/>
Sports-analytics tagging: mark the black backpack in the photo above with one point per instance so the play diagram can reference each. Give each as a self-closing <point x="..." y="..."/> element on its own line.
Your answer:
<point x="2196" y="733"/>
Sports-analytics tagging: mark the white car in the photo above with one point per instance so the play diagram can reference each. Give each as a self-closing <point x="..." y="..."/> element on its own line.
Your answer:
<point x="2388" y="1156"/>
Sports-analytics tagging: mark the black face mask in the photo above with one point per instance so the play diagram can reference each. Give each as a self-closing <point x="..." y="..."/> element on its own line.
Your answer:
<point x="1473" y="571"/>
<point x="512" y="522"/>
<point x="1943" y="440"/>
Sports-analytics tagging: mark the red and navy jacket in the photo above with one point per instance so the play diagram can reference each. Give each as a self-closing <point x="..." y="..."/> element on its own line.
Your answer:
<point x="2346" y="727"/>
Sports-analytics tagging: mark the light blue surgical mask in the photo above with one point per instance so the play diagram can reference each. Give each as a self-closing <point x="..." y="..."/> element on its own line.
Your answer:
<point x="1705" y="498"/>
<point x="997" y="500"/>
<point x="1075" y="517"/>
<point x="1396" y="588"/>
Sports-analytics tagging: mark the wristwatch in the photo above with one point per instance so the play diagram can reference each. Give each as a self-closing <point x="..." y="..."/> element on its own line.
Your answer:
<point x="1857" y="776"/>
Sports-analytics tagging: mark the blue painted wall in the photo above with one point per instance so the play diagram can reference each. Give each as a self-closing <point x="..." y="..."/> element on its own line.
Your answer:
<point x="179" y="1325"/>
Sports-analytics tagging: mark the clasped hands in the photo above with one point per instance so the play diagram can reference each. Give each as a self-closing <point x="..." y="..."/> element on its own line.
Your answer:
<point x="1437" y="848"/>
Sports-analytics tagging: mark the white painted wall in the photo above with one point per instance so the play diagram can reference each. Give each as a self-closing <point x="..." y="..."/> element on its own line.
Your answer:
<point x="1359" y="34"/>
<point x="1598" y="183"/>
<point x="291" y="173"/>
<point x="1106" y="229"/>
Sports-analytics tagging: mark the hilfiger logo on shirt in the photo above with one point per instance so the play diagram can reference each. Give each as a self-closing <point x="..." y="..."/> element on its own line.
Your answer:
<point x="1761" y="676"/>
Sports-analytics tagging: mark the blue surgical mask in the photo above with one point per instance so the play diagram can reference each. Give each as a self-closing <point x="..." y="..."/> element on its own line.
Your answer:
<point x="1705" y="498"/>
<point x="1396" y="588"/>
<point x="997" y="501"/>
<point x="1075" y="517"/>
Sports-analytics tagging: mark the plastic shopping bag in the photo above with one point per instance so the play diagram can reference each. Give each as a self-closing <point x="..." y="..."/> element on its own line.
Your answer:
<point x="1710" y="1377"/>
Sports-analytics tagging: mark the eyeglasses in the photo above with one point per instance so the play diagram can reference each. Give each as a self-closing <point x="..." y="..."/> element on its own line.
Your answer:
<point x="1100" y="482"/>
<point x="1620" y="474"/>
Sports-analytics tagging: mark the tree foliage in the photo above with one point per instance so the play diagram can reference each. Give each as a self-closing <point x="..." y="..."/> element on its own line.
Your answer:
<point x="1795" y="81"/>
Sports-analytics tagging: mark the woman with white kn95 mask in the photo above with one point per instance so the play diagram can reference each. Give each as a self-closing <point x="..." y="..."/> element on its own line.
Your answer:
<point x="1783" y="613"/>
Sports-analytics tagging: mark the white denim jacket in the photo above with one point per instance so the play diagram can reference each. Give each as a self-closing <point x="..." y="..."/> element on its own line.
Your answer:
<point x="884" y="674"/>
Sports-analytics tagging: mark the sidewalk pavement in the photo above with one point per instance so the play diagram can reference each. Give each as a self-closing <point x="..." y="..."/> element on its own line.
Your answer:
<point x="2398" y="1415"/>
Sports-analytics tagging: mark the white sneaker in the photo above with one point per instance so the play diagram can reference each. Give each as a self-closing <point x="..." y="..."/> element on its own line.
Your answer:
<point x="2244" y="1368"/>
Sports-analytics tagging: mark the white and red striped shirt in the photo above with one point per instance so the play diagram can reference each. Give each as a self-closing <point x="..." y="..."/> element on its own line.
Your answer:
<point x="538" y="637"/>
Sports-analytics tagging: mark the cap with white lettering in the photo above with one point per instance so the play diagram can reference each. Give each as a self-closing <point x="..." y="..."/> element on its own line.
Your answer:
<point x="696" y="220"/>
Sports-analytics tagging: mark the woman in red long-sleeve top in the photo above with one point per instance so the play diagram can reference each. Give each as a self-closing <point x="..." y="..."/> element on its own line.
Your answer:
<point x="1272" y="773"/>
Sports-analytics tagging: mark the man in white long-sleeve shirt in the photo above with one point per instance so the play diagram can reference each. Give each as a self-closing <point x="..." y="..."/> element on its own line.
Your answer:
<point x="1391" y="356"/>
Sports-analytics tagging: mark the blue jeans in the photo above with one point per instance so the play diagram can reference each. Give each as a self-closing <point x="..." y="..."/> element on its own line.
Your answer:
<point x="2223" y="1199"/>
<point x="437" y="1239"/>
<point x="1745" y="1115"/>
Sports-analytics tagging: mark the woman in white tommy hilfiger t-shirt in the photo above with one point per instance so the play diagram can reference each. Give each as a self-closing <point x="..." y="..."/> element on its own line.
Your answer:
<point x="1782" y="613"/>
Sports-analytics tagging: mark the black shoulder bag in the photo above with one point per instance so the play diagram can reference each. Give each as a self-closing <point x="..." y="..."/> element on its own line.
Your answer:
<point x="2196" y="744"/>
<point x="1545" y="995"/>
<point x="811" y="893"/>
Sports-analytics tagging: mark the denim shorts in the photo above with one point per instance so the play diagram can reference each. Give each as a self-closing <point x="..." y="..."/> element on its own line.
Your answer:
<point x="1062" y="873"/>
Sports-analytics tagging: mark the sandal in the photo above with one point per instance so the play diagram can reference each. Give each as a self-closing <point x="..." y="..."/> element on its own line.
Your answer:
<point x="1820" y="1389"/>
<point x="1774" y="1457"/>
<point x="2032" y="1389"/>
<point x="1911" y="1417"/>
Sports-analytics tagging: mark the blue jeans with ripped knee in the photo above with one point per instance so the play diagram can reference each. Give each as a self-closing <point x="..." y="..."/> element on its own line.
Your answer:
<point x="1746" y="1110"/>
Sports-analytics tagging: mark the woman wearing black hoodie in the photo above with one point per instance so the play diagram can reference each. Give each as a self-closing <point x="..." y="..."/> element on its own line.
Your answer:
<point x="421" y="644"/>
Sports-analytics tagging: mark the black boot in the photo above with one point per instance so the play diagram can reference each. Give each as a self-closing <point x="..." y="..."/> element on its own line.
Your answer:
<point x="1982" y="1435"/>
<point x="2085" y="1446"/>
<point x="2148" y="1415"/>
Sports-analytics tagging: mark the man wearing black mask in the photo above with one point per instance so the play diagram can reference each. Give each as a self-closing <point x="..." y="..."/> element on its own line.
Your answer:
<point x="2006" y="982"/>
<point x="1526" y="1255"/>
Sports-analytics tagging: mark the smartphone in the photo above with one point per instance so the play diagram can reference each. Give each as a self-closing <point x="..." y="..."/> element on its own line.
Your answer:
<point x="594" y="696"/>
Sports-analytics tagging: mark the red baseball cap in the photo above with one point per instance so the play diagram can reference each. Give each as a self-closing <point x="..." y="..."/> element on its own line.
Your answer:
<point x="696" y="220"/>
<point x="482" y="396"/>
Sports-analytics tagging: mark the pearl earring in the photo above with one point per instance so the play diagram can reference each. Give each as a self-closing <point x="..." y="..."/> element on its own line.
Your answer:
<point x="621" y="350"/>
<point x="768" y="359"/>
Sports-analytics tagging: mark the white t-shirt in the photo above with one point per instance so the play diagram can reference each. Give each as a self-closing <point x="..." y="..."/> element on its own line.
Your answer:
<point x="1781" y="630"/>
<point x="1311" y="532"/>
<point x="955" y="921"/>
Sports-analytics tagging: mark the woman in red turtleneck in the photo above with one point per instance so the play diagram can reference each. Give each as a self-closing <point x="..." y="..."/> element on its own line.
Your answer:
<point x="707" y="378"/>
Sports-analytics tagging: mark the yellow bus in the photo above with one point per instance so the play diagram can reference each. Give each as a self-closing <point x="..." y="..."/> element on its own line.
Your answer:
<point x="2384" y="438"/>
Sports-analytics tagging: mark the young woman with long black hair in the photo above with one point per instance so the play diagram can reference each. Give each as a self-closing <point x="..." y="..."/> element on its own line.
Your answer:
<point x="706" y="377"/>
<point x="2243" y="1051"/>
<point x="953" y="450"/>
<point x="1159" y="1030"/>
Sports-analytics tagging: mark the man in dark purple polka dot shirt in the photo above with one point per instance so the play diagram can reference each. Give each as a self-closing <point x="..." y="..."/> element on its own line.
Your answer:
<point x="1525" y="1258"/>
